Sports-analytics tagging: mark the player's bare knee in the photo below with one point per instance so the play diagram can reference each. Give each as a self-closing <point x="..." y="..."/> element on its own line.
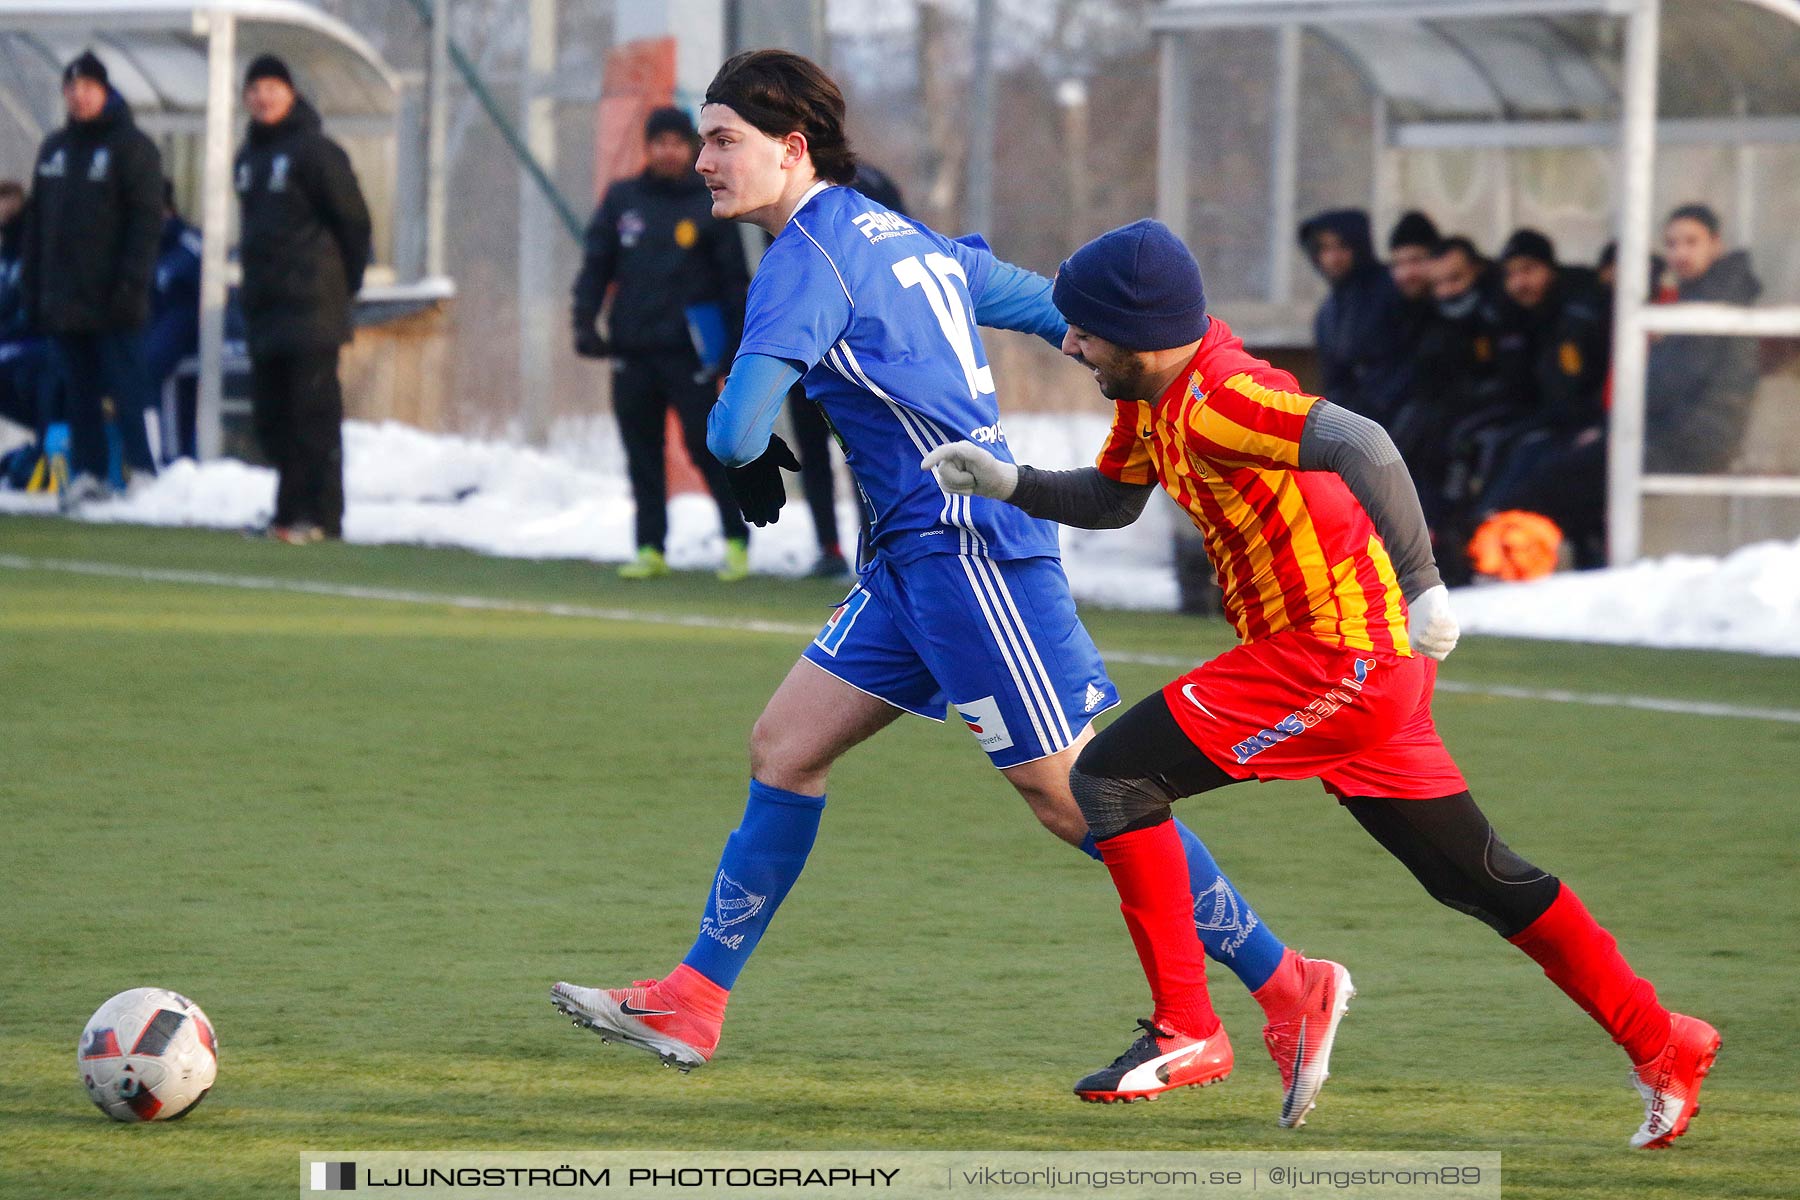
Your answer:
<point x="1057" y="811"/>
<point x="781" y="758"/>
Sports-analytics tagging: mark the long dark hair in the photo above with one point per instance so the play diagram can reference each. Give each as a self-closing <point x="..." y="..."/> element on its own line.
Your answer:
<point x="779" y="92"/>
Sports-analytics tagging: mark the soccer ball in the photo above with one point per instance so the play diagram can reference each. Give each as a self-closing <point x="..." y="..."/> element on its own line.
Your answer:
<point x="147" y="1055"/>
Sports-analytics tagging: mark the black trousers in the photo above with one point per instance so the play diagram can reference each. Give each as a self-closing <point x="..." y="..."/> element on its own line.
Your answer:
<point x="645" y="386"/>
<point x="298" y="410"/>
<point x="812" y="441"/>
<point x="98" y="367"/>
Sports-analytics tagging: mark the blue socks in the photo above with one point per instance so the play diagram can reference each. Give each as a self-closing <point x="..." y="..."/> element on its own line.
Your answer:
<point x="1228" y="927"/>
<point x="762" y="859"/>
<point x="764" y="855"/>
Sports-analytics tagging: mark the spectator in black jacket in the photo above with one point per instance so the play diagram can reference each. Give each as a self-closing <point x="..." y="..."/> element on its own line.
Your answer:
<point x="90" y="246"/>
<point x="672" y="268"/>
<point x="1360" y="329"/>
<point x="1453" y="390"/>
<point x="1697" y="390"/>
<point x="304" y="246"/>
<point x="1555" y="349"/>
<point x="1411" y="244"/>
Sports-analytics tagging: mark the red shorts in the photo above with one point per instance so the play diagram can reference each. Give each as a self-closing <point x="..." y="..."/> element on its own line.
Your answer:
<point x="1291" y="707"/>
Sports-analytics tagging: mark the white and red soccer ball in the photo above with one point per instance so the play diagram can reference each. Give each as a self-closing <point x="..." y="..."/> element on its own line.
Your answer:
<point x="148" y="1054"/>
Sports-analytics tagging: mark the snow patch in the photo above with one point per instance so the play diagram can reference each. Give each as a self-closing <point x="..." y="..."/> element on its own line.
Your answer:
<point x="1749" y="600"/>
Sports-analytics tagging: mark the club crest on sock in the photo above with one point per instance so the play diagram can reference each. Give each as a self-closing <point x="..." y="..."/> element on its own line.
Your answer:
<point x="1216" y="910"/>
<point x="732" y="904"/>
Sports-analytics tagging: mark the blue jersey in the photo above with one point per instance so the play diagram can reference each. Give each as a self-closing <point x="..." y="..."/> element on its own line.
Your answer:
<point x="879" y="312"/>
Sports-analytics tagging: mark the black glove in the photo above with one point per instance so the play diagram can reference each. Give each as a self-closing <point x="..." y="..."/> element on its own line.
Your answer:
<point x="758" y="486"/>
<point x="590" y="344"/>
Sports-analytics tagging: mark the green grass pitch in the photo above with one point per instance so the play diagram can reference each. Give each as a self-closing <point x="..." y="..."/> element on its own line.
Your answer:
<point x="366" y="836"/>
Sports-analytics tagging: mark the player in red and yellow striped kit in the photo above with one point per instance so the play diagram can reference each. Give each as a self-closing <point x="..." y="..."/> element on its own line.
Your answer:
<point x="1311" y="521"/>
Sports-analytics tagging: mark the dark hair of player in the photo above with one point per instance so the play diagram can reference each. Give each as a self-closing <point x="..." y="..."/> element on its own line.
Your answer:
<point x="780" y="92"/>
<point x="1696" y="212"/>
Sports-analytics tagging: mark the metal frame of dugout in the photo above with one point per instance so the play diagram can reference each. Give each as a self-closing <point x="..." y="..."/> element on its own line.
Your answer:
<point x="1438" y="77"/>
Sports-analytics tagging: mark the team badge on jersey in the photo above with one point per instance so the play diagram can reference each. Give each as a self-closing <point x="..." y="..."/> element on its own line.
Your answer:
<point x="985" y="722"/>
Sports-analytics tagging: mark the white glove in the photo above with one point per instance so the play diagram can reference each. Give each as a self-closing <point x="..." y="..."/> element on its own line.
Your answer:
<point x="1430" y="625"/>
<point x="965" y="469"/>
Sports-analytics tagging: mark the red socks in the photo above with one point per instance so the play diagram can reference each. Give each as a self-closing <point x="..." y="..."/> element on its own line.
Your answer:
<point x="1280" y="994"/>
<point x="1584" y="961"/>
<point x="1149" y="869"/>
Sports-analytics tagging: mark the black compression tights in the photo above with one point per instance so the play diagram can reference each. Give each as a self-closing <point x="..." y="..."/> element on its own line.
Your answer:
<point x="1136" y="768"/>
<point x="1450" y="847"/>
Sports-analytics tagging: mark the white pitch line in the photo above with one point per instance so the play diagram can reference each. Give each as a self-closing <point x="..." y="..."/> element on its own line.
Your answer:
<point x="263" y="583"/>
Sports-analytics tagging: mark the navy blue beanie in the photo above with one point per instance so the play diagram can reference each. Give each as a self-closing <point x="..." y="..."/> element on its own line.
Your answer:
<point x="1137" y="287"/>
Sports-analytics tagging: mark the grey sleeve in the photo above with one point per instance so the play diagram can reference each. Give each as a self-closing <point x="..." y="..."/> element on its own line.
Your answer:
<point x="1083" y="498"/>
<point x="1360" y="452"/>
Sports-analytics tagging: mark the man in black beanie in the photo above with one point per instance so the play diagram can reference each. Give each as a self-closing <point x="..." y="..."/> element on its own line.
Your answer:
<point x="676" y="315"/>
<point x="91" y="235"/>
<point x="1411" y="243"/>
<point x="305" y="245"/>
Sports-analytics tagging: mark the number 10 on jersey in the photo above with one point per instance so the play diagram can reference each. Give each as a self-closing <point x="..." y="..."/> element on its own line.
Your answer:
<point x="946" y="289"/>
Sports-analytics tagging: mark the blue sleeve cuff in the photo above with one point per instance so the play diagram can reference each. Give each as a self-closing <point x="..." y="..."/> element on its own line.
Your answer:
<point x="1019" y="300"/>
<point x="741" y="422"/>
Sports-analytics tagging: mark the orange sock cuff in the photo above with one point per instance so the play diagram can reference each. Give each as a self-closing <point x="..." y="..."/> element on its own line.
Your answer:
<point x="1282" y="991"/>
<point x="705" y="997"/>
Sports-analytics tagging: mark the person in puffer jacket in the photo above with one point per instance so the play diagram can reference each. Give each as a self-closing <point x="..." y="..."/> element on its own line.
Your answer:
<point x="1360" y="330"/>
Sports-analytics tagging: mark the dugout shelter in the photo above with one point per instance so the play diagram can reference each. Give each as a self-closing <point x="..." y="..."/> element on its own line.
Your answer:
<point x="1590" y="119"/>
<point x="179" y="63"/>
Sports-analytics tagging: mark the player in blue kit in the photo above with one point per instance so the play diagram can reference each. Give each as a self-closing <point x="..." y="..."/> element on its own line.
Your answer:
<point x="961" y="601"/>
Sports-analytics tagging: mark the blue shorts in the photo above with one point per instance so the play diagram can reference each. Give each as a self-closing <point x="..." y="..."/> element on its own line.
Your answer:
<point x="997" y="639"/>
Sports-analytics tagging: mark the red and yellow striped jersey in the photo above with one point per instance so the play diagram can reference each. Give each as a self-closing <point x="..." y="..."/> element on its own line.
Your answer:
<point x="1293" y="549"/>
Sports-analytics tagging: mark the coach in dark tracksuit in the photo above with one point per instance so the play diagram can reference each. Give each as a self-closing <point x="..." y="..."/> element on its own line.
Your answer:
<point x="90" y="245"/>
<point x="655" y="238"/>
<point x="305" y="244"/>
<point x="1360" y="330"/>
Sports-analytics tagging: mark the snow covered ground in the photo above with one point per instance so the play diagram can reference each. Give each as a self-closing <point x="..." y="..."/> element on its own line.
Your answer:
<point x="412" y="487"/>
